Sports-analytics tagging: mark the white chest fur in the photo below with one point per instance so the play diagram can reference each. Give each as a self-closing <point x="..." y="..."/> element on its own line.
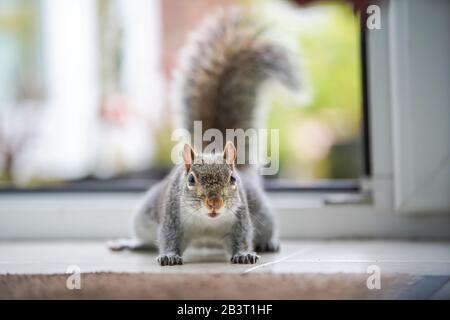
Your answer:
<point x="198" y="226"/>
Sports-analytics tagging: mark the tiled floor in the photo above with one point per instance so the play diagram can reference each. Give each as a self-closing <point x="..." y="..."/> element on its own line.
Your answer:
<point x="419" y="258"/>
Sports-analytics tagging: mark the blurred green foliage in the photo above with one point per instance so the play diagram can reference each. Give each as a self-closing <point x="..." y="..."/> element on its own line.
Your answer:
<point x="313" y="133"/>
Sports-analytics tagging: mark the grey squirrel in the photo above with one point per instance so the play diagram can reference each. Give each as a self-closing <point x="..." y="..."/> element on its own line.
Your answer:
<point x="209" y="198"/>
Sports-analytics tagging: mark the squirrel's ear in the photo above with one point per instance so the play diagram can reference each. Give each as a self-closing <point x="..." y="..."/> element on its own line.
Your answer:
<point x="188" y="156"/>
<point x="229" y="154"/>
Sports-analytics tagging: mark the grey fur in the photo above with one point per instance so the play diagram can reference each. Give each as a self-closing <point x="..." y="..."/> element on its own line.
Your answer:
<point x="218" y="85"/>
<point x="222" y="69"/>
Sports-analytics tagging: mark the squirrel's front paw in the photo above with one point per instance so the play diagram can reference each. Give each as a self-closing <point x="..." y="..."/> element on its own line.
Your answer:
<point x="169" y="259"/>
<point x="245" y="258"/>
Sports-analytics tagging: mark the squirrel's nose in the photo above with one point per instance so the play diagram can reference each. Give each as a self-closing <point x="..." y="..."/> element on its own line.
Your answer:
<point x="214" y="202"/>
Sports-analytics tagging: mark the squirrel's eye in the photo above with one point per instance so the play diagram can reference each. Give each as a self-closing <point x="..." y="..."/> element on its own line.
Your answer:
<point x="191" y="180"/>
<point x="232" y="179"/>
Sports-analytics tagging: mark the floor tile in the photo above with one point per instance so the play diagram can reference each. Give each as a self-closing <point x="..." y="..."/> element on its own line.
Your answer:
<point x="422" y="258"/>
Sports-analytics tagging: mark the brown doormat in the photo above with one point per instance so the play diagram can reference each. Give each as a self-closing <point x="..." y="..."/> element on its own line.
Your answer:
<point x="205" y="286"/>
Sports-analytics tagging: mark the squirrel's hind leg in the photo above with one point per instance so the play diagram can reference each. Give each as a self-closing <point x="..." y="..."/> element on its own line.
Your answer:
<point x="144" y="228"/>
<point x="265" y="237"/>
<point x="265" y="233"/>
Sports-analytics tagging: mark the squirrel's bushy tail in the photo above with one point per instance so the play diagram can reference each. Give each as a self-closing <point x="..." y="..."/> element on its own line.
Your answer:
<point x="222" y="69"/>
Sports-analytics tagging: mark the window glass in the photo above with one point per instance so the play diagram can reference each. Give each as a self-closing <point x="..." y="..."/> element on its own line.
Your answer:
<point x="85" y="84"/>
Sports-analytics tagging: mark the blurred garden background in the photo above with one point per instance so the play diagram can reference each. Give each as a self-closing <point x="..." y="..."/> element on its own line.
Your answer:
<point x="84" y="88"/>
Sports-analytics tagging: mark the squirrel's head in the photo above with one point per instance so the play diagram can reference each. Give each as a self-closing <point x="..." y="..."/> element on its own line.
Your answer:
<point x="211" y="181"/>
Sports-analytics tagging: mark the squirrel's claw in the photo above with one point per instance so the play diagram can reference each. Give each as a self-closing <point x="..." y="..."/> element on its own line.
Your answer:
<point x="245" y="258"/>
<point x="169" y="259"/>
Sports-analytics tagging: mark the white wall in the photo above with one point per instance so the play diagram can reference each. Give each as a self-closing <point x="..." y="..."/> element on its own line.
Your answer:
<point x="420" y="93"/>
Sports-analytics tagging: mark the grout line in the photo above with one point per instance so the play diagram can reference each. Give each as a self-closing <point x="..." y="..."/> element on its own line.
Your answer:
<point x="275" y="261"/>
<point x="369" y="261"/>
<point x="443" y="293"/>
